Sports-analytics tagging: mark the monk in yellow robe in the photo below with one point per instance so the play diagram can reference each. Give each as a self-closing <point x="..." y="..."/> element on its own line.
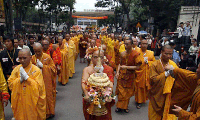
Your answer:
<point x="63" y="77"/>
<point x="142" y="80"/>
<point x="76" y="40"/>
<point x="165" y="87"/>
<point x="47" y="66"/>
<point x="71" y="54"/>
<point x="135" y="45"/>
<point x="110" y="50"/>
<point x="26" y="83"/>
<point x="4" y="94"/>
<point x="125" y="76"/>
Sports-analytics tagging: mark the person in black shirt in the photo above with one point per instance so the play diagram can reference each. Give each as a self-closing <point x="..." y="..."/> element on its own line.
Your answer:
<point x="32" y="41"/>
<point x="9" y="57"/>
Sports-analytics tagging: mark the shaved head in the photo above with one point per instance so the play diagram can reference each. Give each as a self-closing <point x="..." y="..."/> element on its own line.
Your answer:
<point x="166" y="47"/>
<point x="37" y="45"/>
<point x="24" y="56"/>
<point x="26" y="51"/>
<point x="45" y="44"/>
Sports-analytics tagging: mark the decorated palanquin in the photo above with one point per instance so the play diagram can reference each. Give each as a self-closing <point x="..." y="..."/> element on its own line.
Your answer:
<point x="99" y="91"/>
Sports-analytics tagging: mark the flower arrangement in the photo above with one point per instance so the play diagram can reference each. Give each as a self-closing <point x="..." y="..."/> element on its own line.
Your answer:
<point x="98" y="97"/>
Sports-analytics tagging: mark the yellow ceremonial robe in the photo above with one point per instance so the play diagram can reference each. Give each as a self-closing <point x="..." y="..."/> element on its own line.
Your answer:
<point x="122" y="47"/>
<point x="71" y="56"/>
<point x="3" y="89"/>
<point x="111" y="52"/>
<point x="49" y="72"/>
<point x="63" y="77"/>
<point x="142" y="80"/>
<point x="28" y="99"/>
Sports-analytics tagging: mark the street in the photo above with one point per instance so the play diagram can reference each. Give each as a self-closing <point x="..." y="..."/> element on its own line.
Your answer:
<point x="69" y="102"/>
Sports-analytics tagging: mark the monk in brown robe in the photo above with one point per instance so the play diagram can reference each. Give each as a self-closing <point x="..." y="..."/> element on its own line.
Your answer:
<point x="47" y="66"/>
<point x="54" y="52"/>
<point x="126" y="76"/>
<point x="83" y="46"/>
<point x="86" y="73"/>
<point x="142" y="80"/>
<point x="194" y="113"/>
<point x="169" y="87"/>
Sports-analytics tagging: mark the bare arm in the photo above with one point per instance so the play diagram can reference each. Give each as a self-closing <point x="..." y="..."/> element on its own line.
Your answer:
<point x="85" y="76"/>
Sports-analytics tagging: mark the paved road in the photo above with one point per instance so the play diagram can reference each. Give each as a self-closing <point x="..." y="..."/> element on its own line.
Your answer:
<point x="69" y="102"/>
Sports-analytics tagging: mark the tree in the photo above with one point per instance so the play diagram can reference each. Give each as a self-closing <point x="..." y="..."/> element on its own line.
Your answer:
<point x="58" y="6"/>
<point x="164" y="12"/>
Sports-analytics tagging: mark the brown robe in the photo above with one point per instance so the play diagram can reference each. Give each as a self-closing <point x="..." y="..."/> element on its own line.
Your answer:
<point x="125" y="82"/>
<point x="48" y="72"/>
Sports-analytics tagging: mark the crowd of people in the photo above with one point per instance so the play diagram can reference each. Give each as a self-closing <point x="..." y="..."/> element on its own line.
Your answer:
<point x="145" y="67"/>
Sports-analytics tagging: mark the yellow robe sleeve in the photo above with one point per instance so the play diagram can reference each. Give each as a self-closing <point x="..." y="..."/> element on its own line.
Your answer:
<point x="122" y="48"/>
<point x="33" y="98"/>
<point x="3" y="83"/>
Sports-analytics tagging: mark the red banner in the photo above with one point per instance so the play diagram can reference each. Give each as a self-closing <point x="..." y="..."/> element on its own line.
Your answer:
<point x="87" y="17"/>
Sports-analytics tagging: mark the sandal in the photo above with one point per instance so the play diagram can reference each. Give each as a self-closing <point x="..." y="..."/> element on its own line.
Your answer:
<point x="118" y="110"/>
<point x="126" y="110"/>
<point x="138" y="106"/>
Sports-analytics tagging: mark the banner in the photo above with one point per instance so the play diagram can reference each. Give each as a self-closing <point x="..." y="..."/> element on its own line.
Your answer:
<point x="87" y="17"/>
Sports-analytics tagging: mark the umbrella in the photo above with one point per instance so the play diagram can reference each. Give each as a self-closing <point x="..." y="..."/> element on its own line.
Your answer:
<point x="142" y="32"/>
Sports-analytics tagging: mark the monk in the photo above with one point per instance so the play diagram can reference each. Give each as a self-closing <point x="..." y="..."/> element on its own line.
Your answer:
<point x="126" y="76"/>
<point x="86" y="73"/>
<point x="47" y="66"/>
<point x="135" y="45"/>
<point x="107" y="58"/>
<point x="26" y="82"/>
<point x="116" y="48"/>
<point x="52" y="50"/>
<point x="98" y="41"/>
<point x="194" y="113"/>
<point x="110" y="50"/>
<point x="83" y="46"/>
<point x="71" y="54"/>
<point x="4" y="94"/>
<point x="169" y="87"/>
<point x="63" y="77"/>
<point x="142" y="80"/>
<point x="89" y="50"/>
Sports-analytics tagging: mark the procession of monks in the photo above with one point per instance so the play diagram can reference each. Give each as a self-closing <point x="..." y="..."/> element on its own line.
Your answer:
<point x="31" y="83"/>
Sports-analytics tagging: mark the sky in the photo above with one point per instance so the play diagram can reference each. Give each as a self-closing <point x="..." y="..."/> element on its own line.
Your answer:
<point x="84" y="4"/>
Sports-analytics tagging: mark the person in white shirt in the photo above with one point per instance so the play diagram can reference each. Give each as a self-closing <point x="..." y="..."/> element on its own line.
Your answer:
<point x="165" y="41"/>
<point x="193" y="50"/>
<point x="187" y="33"/>
<point x="21" y="44"/>
<point x="180" y="33"/>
